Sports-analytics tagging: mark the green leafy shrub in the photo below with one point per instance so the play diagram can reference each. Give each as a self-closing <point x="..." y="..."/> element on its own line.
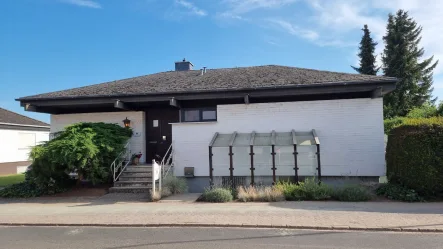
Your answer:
<point x="309" y="189"/>
<point x="175" y="185"/>
<point x="351" y="193"/>
<point x="85" y="148"/>
<point x="398" y="192"/>
<point x="21" y="190"/>
<point x="27" y="190"/>
<point x="424" y="111"/>
<point x="287" y="188"/>
<point x="414" y="155"/>
<point x="265" y="194"/>
<point x="217" y="195"/>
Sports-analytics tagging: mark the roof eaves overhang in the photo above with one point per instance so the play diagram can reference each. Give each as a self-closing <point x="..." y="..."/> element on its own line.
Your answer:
<point x="387" y="85"/>
<point x="23" y="127"/>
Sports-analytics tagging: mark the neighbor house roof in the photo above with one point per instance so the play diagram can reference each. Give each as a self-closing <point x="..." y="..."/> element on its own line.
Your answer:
<point x="226" y="79"/>
<point x="12" y="118"/>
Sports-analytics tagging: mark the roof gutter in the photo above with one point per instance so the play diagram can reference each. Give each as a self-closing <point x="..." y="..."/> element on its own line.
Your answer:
<point x="24" y="125"/>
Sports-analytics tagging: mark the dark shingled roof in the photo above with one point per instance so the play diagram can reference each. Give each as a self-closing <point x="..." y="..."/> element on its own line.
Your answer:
<point x="15" y="118"/>
<point x="214" y="80"/>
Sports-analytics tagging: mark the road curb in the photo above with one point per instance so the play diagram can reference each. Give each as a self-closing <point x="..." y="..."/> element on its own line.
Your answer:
<point x="333" y="228"/>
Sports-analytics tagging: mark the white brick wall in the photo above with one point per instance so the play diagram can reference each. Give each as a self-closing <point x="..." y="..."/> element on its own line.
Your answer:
<point x="12" y="147"/>
<point x="350" y="132"/>
<point x="58" y="122"/>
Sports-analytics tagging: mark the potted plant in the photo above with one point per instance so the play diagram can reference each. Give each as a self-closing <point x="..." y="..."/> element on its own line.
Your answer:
<point x="135" y="158"/>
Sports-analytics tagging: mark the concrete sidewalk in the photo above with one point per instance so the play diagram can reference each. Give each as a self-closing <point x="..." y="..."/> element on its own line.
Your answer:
<point x="107" y="211"/>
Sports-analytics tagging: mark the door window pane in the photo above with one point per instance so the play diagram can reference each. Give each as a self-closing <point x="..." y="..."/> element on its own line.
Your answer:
<point x="209" y="115"/>
<point x="191" y="115"/>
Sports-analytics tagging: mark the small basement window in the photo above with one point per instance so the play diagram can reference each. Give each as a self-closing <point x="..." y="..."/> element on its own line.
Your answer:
<point x="199" y="114"/>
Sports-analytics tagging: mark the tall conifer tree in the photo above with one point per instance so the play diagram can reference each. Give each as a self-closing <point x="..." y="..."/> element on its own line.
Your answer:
<point x="366" y="54"/>
<point x="402" y="58"/>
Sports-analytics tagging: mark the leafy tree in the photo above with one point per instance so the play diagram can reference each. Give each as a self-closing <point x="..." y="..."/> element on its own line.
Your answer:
<point x="366" y="54"/>
<point x="440" y="109"/>
<point x="402" y="58"/>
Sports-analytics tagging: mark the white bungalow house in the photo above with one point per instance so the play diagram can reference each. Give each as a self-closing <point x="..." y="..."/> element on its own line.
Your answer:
<point x="18" y="134"/>
<point x="250" y="124"/>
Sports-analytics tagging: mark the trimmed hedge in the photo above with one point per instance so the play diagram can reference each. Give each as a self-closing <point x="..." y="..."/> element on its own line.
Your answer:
<point x="391" y="123"/>
<point x="414" y="155"/>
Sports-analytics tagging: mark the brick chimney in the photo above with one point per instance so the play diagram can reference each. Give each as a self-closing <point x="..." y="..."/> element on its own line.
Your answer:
<point x="183" y="65"/>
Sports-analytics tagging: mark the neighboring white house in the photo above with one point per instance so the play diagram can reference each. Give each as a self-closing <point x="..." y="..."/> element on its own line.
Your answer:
<point x="18" y="134"/>
<point x="300" y="122"/>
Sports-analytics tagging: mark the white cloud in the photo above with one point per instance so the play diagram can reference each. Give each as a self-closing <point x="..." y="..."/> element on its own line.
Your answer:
<point x="295" y="30"/>
<point x="338" y="23"/>
<point x="342" y="16"/>
<point x="83" y="3"/>
<point x="272" y="40"/>
<point x="308" y="34"/>
<point x="238" y="7"/>
<point x="345" y="16"/>
<point x="230" y="16"/>
<point x="191" y="8"/>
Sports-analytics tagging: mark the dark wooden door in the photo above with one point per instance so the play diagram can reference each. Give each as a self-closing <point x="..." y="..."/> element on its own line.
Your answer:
<point x="159" y="131"/>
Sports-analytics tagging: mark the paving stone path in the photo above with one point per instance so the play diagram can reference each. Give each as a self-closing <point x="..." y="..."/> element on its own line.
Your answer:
<point x="116" y="210"/>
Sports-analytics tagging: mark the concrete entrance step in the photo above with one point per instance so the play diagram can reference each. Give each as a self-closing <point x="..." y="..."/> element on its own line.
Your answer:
<point x="132" y="184"/>
<point x="136" y="178"/>
<point x="144" y="189"/>
<point x="138" y="169"/>
<point x="141" y="165"/>
<point x="136" y="174"/>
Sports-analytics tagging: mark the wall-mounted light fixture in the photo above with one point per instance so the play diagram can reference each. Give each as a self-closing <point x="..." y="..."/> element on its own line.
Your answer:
<point x="127" y="122"/>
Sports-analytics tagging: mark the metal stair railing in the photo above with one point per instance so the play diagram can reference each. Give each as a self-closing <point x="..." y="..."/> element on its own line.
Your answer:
<point x="121" y="162"/>
<point x="167" y="162"/>
<point x="164" y="167"/>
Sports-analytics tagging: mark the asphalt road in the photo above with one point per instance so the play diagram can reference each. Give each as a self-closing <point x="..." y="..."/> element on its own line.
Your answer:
<point x="214" y="238"/>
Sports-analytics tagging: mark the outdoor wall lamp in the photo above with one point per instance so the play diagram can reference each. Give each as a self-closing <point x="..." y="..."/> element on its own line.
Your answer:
<point x="127" y="122"/>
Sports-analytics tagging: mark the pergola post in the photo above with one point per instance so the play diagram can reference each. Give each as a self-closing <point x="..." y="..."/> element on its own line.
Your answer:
<point x="317" y="143"/>
<point x="251" y="146"/>
<point x="211" y="177"/>
<point x="231" y="160"/>
<point x="294" y="142"/>
<point x="318" y="163"/>
<point x="273" y="157"/>
<point x="211" y="168"/>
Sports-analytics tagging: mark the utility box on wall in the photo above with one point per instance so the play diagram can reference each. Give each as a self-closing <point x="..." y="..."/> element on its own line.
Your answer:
<point x="189" y="171"/>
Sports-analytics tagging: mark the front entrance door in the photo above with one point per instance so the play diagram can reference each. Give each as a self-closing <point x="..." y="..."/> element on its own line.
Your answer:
<point x="159" y="131"/>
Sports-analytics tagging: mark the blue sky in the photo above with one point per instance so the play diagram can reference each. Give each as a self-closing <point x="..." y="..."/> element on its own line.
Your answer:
<point x="48" y="45"/>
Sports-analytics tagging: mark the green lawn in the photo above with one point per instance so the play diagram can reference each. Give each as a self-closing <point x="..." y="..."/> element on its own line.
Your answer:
<point x="11" y="179"/>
